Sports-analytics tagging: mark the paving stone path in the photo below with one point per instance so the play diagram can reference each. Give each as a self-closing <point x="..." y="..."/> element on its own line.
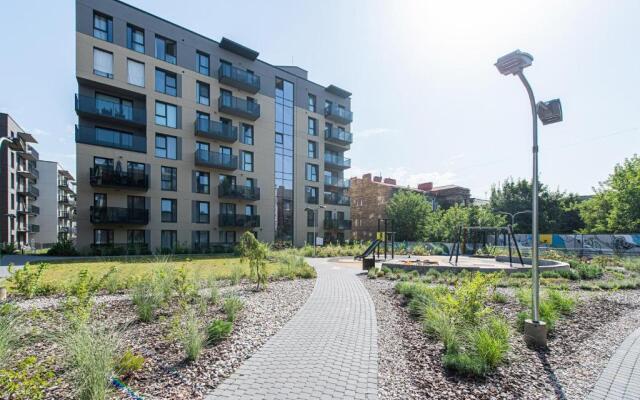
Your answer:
<point x="328" y="350"/>
<point x="621" y="377"/>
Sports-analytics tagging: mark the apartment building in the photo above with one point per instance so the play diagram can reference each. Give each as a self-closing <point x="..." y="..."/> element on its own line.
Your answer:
<point x="56" y="218"/>
<point x="18" y="190"/>
<point x="183" y="140"/>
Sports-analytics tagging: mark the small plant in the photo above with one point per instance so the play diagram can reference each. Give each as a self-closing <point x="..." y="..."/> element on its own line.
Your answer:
<point x="8" y="335"/>
<point x="191" y="336"/>
<point x="212" y="293"/>
<point x="564" y="303"/>
<point x="28" y="381"/>
<point x="232" y="306"/>
<point x="63" y="248"/>
<point x="372" y="274"/>
<point x="129" y="363"/>
<point x="184" y="287"/>
<point x="498" y="297"/>
<point x="386" y="270"/>
<point x="219" y="330"/>
<point x="26" y="280"/>
<point x="255" y="253"/>
<point x="80" y="295"/>
<point x="589" y="271"/>
<point x="236" y="275"/>
<point x="147" y="298"/>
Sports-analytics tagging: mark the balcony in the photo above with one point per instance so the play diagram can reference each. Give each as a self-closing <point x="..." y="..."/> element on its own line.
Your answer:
<point x="105" y="110"/>
<point x="64" y="229"/>
<point x="28" y="172"/>
<point x="63" y="214"/>
<point x="337" y="224"/>
<point x="238" y="221"/>
<point x="338" y="136"/>
<point x="309" y="199"/>
<point x="336" y="182"/>
<point x="238" y="78"/>
<point x="212" y="159"/>
<point x="119" y="215"/>
<point x="238" y="192"/>
<point x="110" y="178"/>
<point x="339" y="115"/>
<point x="111" y="138"/>
<point x="336" y="161"/>
<point x="64" y="185"/>
<point x="28" y="209"/>
<point x="29" y="191"/>
<point x="64" y="200"/>
<point x="29" y="153"/>
<point x="31" y="228"/>
<point x="337" y="199"/>
<point x="239" y="107"/>
<point x="216" y="130"/>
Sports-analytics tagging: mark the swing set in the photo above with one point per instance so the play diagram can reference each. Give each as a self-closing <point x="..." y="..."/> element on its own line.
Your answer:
<point x="480" y="235"/>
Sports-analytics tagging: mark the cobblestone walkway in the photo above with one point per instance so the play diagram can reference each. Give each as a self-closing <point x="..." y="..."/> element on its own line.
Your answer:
<point x="621" y="377"/>
<point x="328" y="350"/>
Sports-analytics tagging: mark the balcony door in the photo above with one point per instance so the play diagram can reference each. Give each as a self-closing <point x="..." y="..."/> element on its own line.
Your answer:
<point x="114" y="106"/>
<point x="99" y="200"/>
<point x="136" y="203"/>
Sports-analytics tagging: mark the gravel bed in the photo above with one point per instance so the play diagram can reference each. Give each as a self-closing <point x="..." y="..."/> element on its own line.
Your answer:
<point x="165" y="374"/>
<point x="410" y="364"/>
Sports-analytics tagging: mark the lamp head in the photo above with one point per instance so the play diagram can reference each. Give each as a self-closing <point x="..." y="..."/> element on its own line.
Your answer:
<point x="514" y="62"/>
<point x="550" y="111"/>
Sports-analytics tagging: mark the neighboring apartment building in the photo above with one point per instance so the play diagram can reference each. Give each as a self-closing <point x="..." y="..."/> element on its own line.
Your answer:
<point x="18" y="190"/>
<point x="185" y="140"/>
<point x="448" y="195"/>
<point x="57" y="204"/>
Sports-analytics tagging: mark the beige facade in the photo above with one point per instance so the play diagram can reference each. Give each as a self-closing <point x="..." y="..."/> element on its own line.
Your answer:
<point x="136" y="141"/>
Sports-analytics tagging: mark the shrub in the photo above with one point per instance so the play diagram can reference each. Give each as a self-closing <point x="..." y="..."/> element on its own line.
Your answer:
<point x="191" y="336"/>
<point x="147" y="297"/>
<point x="498" y="297"/>
<point x="562" y="302"/>
<point x="589" y="271"/>
<point x="438" y="323"/>
<point x="386" y="270"/>
<point x="236" y="275"/>
<point x="91" y="355"/>
<point x="372" y="274"/>
<point x="255" y="253"/>
<point x="570" y="274"/>
<point x="212" y="293"/>
<point x="219" y="330"/>
<point x="549" y="274"/>
<point x="491" y="342"/>
<point x="129" y="363"/>
<point x="520" y="275"/>
<point x="8" y="248"/>
<point x="79" y="301"/>
<point x="26" y="280"/>
<point x="185" y="287"/>
<point x="111" y="283"/>
<point x="419" y="250"/>
<point x="28" y="381"/>
<point x="63" y="248"/>
<point x="232" y="306"/>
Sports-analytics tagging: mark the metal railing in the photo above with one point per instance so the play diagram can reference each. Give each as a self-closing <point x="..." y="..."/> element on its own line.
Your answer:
<point x="239" y="107"/>
<point x="337" y="199"/>
<point x="238" y="220"/>
<point x="119" y="215"/>
<point x="239" y="78"/>
<point x="110" y="109"/>
<point x="336" y="160"/>
<point x="109" y="177"/>
<point x="337" y="182"/>
<point x="238" y="192"/>
<point x="339" y="136"/>
<point x="337" y="224"/>
<point x="338" y="114"/>
<point x="111" y="138"/>
<point x="216" y="160"/>
<point x="216" y="130"/>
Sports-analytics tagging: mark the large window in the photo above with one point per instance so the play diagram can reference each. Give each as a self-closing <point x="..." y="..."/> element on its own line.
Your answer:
<point x="166" y="114"/>
<point x="311" y="172"/>
<point x="136" y="237"/>
<point x="103" y="236"/>
<point x="246" y="161"/>
<point x="247" y="134"/>
<point x="169" y="210"/>
<point x="166" y="49"/>
<point x="311" y="194"/>
<point x="135" y="73"/>
<point x="313" y="126"/>
<point x="200" y="239"/>
<point x="169" y="178"/>
<point x="168" y="239"/>
<point x="166" y="146"/>
<point x="284" y="159"/>
<point x="113" y="138"/>
<point x="103" y="63"/>
<point x="311" y="105"/>
<point x="311" y="218"/>
<point x="166" y="82"/>
<point x="312" y="149"/>
<point x="102" y="27"/>
<point x="202" y="93"/>
<point x="135" y="38"/>
<point x="202" y="63"/>
<point x="202" y="182"/>
<point x="201" y="211"/>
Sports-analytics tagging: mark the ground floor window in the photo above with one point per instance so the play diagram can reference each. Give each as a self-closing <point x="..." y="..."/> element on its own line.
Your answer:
<point x="168" y="239"/>
<point x="200" y="239"/>
<point x="103" y="236"/>
<point x="227" y="237"/>
<point x="310" y="237"/>
<point x="136" y="236"/>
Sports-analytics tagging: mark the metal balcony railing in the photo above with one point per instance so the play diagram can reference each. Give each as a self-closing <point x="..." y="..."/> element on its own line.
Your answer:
<point x="238" y="192"/>
<point x="216" y="130"/>
<point x="213" y="159"/>
<point x="238" y="78"/>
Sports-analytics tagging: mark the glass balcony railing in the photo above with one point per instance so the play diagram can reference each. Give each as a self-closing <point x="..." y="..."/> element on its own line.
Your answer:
<point x="91" y="106"/>
<point x="212" y="159"/>
<point x="337" y="199"/>
<point x="238" y="78"/>
<point x="338" y="114"/>
<point x="28" y="209"/>
<point x="337" y="182"/>
<point x="111" y="138"/>
<point x="216" y="130"/>
<point x="238" y="192"/>
<point x="109" y="177"/>
<point x="338" y="136"/>
<point x="29" y="190"/>
<point x="63" y="214"/>
<point x="337" y="224"/>
<point x="239" y="107"/>
<point x="119" y="215"/>
<point x="238" y="221"/>
<point x="335" y="160"/>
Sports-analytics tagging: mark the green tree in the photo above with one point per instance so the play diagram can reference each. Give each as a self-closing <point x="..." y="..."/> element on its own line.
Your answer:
<point x="254" y="251"/>
<point x="409" y="212"/>
<point x="615" y="207"/>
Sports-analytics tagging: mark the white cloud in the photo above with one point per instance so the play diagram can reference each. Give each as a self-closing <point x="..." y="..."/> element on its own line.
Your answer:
<point x="373" y="132"/>
<point x="39" y="133"/>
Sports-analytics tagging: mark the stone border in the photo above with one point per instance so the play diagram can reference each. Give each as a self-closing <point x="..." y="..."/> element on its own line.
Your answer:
<point x="545" y="265"/>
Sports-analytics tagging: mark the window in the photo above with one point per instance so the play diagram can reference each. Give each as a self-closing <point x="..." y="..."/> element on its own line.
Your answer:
<point x="166" y="114"/>
<point x="136" y="168"/>
<point x="166" y="49"/>
<point x="310" y="236"/>
<point x="112" y="138"/>
<point x="200" y="239"/>
<point x="102" y="27"/>
<point x="103" y="63"/>
<point x="327" y="106"/>
<point x="202" y="121"/>
<point x="166" y="146"/>
<point x="169" y="178"/>
<point x="13" y="180"/>
<point x="202" y="93"/>
<point x="103" y="236"/>
<point x="136" y="236"/>
<point x="169" y="210"/>
<point x="135" y="38"/>
<point x="246" y="161"/>
<point x="202" y="182"/>
<point x="227" y="208"/>
<point x="136" y="202"/>
<point x="312" y="149"/>
<point x="247" y="134"/>
<point x="311" y="105"/>
<point x="313" y="127"/>
<point x="201" y="211"/>
<point x="135" y="73"/>
<point x="166" y="82"/>
<point x="311" y="194"/>
<point x="227" y="236"/>
<point x="250" y="210"/>
<point x="203" y="148"/>
<point x="13" y="201"/>
<point x="250" y="183"/>
<point x="202" y="62"/>
<point x="311" y="220"/>
<point x="103" y="162"/>
<point x="168" y="239"/>
<point x="311" y="171"/>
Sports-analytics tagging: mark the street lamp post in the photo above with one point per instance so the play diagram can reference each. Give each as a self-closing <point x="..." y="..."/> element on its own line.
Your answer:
<point x="549" y="112"/>
<point x="514" y="215"/>
<point x="315" y="225"/>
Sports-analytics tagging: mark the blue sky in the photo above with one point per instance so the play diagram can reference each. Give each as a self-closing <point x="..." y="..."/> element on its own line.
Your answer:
<point x="429" y="105"/>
